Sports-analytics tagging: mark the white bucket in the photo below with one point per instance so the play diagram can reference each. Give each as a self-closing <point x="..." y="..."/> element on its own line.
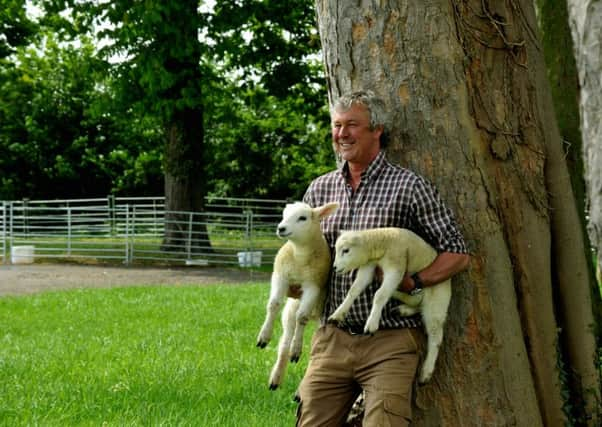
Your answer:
<point x="249" y="259"/>
<point x="198" y="262"/>
<point x="22" y="255"/>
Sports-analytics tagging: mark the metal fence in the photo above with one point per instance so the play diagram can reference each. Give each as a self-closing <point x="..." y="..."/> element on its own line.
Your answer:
<point x="230" y="231"/>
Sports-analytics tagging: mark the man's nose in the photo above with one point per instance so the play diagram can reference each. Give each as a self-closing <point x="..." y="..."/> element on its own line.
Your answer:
<point x="342" y="132"/>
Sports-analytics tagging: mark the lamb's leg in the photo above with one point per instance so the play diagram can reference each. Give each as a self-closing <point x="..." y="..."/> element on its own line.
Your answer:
<point x="362" y="280"/>
<point x="288" y="328"/>
<point x="410" y="303"/>
<point x="406" y="310"/>
<point x="391" y="279"/>
<point x="278" y="290"/>
<point x="435" y="337"/>
<point x="309" y="299"/>
<point x="434" y="313"/>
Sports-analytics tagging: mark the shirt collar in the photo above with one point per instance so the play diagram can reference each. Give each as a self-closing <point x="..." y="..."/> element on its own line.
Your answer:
<point x="371" y="171"/>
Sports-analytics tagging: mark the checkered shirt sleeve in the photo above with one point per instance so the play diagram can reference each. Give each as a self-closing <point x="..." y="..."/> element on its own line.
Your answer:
<point x="388" y="196"/>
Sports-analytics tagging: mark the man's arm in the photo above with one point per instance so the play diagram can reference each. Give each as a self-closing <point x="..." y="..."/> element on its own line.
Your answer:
<point x="442" y="268"/>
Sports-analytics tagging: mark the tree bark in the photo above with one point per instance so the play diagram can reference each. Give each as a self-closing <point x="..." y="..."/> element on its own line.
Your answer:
<point x="557" y="44"/>
<point x="586" y="26"/>
<point x="185" y="228"/>
<point x="185" y="187"/>
<point x="577" y="326"/>
<point x="465" y="84"/>
<point x="585" y="18"/>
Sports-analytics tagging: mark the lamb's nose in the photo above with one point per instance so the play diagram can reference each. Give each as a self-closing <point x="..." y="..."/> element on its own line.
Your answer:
<point x="281" y="230"/>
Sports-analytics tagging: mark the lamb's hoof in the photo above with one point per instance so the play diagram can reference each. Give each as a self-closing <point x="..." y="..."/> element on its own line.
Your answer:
<point x="424" y="378"/>
<point x="262" y="344"/>
<point x="370" y="331"/>
<point x="297" y="397"/>
<point x="295" y="358"/>
<point x="273" y="387"/>
<point x="371" y="326"/>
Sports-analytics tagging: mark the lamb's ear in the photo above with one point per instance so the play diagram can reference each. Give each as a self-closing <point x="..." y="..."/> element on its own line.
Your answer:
<point x="327" y="209"/>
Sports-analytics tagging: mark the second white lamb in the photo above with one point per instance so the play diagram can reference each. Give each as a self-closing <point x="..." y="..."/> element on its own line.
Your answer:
<point x="396" y="251"/>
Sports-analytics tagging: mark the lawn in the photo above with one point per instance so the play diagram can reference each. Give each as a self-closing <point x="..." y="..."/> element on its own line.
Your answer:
<point x="168" y="356"/>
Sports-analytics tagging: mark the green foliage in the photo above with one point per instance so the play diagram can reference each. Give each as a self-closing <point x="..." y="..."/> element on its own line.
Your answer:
<point x="263" y="137"/>
<point x="60" y="133"/>
<point x="272" y="41"/>
<point x="141" y="356"/>
<point x="241" y="84"/>
<point x="15" y="27"/>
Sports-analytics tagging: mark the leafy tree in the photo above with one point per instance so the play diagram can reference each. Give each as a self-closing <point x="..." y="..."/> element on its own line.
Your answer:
<point x="271" y="124"/>
<point x="166" y="70"/>
<point x="61" y="134"/>
<point x="15" y="27"/>
<point x="262" y="146"/>
<point x="193" y="95"/>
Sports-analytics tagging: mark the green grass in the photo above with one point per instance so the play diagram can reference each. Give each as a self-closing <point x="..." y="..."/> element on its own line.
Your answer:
<point x="169" y="356"/>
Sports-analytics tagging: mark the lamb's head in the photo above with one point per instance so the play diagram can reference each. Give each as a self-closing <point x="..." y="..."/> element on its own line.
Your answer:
<point x="300" y="221"/>
<point x="349" y="253"/>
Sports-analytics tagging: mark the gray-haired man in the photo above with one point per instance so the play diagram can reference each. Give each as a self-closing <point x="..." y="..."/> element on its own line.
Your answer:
<point x="371" y="193"/>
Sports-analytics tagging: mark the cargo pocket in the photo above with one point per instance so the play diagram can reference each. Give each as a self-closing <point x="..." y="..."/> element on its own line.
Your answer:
<point x="396" y="411"/>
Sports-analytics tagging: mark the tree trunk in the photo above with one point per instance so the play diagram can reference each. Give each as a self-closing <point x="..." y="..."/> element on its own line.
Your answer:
<point x="185" y="187"/>
<point x="577" y="326"/>
<point x="585" y="18"/>
<point x="466" y="86"/>
<point x="185" y="228"/>
<point x="557" y="44"/>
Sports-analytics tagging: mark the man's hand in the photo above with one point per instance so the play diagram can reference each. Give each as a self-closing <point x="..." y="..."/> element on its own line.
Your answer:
<point x="295" y="291"/>
<point x="407" y="284"/>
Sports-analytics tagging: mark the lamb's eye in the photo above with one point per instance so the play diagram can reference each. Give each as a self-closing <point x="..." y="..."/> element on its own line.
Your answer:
<point x="345" y="251"/>
<point x="302" y="218"/>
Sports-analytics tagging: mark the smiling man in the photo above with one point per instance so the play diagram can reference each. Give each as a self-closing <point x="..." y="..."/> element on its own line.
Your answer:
<point x="356" y="140"/>
<point x="372" y="193"/>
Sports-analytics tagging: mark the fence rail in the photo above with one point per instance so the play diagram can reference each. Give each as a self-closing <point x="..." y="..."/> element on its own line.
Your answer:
<point x="230" y="231"/>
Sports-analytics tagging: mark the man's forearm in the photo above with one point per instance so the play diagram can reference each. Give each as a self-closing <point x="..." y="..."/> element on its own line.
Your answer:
<point x="442" y="268"/>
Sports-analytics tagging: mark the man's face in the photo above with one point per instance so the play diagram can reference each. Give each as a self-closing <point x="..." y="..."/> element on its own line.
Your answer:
<point x="352" y="137"/>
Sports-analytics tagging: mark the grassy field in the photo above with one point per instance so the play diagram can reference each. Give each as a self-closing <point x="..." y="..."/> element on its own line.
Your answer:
<point x="180" y="356"/>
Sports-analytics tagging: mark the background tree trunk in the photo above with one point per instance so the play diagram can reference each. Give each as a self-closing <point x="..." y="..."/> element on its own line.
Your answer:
<point x="557" y="46"/>
<point x="185" y="184"/>
<point x="586" y="27"/>
<point x="466" y="85"/>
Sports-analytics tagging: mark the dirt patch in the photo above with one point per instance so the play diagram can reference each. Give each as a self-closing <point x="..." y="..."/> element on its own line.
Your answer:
<point x="27" y="279"/>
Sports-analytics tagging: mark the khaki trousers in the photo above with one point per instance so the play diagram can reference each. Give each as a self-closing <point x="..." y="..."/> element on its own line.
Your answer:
<point x="341" y="365"/>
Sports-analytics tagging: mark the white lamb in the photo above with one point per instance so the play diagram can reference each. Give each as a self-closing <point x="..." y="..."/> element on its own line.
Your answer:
<point x="395" y="251"/>
<point x="303" y="260"/>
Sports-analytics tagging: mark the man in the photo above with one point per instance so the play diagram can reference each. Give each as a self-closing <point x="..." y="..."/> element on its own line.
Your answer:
<point x="372" y="192"/>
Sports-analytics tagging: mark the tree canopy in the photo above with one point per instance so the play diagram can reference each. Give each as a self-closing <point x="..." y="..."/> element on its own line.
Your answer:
<point x="91" y="88"/>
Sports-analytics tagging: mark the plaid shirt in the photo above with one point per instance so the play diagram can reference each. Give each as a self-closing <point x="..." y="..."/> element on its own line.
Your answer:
<point x="388" y="196"/>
